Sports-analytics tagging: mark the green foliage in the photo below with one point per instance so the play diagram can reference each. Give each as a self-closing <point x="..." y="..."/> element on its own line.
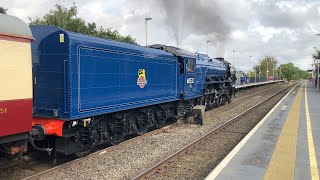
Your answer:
<point x="290" y="72"/>
<point x="251" y="74"/>
<point x="267" y="63"/>
<point x="285" y="71"/>
<point x="3" y="10"/>
<point x="67" y="19"/>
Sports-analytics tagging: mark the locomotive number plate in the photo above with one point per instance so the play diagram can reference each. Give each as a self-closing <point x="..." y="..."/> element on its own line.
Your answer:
<point x="190" y="80"/>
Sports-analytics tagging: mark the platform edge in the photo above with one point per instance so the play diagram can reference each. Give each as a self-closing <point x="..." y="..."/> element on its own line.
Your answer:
<point x="216" y="171"/>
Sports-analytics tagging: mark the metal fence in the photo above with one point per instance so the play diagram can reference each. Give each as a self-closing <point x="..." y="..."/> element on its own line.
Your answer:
<point x="254" y="80"/>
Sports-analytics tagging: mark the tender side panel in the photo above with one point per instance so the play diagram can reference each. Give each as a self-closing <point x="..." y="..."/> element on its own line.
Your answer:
<point x="50" y="62"/>
<point x="16" y="86"/>
<point x="111" y="80"/>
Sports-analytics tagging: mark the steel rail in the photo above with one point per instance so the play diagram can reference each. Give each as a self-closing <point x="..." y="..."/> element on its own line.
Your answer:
<point x="151" y="170"/>
<point x="96" y="153"/>
<point x="255" y="93"/>
<point x="105" y="150"/>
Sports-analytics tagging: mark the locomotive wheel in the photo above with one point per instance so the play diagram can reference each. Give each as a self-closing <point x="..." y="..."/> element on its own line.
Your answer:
<point x="82" y="153"/>
<point x="116" y="131"/>
<point x="221" y="100"/>
<point x="141" y="132"/>
<point x="139" y="122"/>
<point x="117" y="140"/>
<point x="160" y="119"/>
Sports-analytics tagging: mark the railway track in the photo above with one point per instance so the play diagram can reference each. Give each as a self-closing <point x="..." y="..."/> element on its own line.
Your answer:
<point x="158" y="166"/>
<point x="39" y="172"/>
<point x="271" y="87"/>
<point x="36" y="168"/>
<point x="94" y="154"/>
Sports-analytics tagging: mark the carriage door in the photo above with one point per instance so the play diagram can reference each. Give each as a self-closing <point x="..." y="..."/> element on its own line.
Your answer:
<point x="190" y="84"/>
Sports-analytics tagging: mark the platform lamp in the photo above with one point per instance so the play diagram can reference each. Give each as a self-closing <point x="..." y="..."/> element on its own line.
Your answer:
<point x="146" y="28"/>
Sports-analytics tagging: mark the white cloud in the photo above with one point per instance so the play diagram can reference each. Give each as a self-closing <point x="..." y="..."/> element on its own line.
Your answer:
<point x="283" y="29"/>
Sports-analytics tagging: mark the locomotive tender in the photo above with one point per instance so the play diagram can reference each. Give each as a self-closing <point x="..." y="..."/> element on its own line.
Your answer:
<point x="89" y="91"/>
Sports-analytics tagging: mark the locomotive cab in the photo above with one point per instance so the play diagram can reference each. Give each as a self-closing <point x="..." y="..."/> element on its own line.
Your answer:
<point x="16" y="87"/>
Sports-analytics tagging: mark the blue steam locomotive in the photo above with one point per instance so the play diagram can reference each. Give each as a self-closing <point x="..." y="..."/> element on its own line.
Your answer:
<point x="89" y="91"/>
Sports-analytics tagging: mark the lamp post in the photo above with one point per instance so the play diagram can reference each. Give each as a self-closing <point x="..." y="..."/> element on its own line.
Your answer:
<point x="260" y="70"/>
<point x="233" y="51"/>
<point x="315" y="66"/>
<point x="267" y="70"/>
<point x="249" y="68"/>
<point x="277" y="73"/>
<point x="146" y="28"/>
<point x="312" y="65"/>
<point x="280" y="73"/>
<point x="318" y="74"/>
<point x="207" y="46"/>
<point x="318" y="64"/>
<point x="255" y="74"/>
<point x="272" y="69"/>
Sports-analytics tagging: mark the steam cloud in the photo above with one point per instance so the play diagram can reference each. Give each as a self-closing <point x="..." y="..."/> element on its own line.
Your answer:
<point x="201" y="17"/>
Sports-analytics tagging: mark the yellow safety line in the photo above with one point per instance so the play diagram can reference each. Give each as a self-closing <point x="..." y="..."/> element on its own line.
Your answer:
<point x="312" y="154"/>
<point x="282" y="164"/>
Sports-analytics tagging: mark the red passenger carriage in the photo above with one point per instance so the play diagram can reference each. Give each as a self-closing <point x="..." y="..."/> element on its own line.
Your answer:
<point x="15" y="88"/>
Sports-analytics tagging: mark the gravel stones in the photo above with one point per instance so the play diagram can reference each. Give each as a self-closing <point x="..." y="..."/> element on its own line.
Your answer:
<point x="131" y="157"/>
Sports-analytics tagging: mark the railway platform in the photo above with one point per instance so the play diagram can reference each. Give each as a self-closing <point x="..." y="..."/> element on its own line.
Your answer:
<point x="285" y="144"/>
<point x="250" y="85"/>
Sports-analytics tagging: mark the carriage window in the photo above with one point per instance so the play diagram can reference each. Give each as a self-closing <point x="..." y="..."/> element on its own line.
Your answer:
<point x="190" y="65"/>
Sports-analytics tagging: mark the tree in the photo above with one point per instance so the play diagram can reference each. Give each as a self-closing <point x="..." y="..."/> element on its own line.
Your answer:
<point x="267" y="63"/>
<point x="251" y="74"/>
<point x="3" y="10"/>
<point x="290" y="72"/>
<point x="67" y="19"/>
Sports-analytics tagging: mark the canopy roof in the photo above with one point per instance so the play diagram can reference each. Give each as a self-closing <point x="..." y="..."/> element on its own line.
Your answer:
<point x="15" y="27"/>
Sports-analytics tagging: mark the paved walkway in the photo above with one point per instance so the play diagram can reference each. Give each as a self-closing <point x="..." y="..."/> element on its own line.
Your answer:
<point x="284" y="145"/>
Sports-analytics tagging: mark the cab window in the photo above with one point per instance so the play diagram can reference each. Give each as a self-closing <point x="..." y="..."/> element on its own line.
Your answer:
<point x="190" y="65"/>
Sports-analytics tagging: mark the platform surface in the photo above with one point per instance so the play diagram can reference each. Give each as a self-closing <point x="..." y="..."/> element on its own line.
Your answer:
<point x="284" y="145"/>
<point x="239" y="86"/>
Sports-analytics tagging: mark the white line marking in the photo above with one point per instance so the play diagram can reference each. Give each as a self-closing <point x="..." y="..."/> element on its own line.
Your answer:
<point x="216" y="171"/>
<point x="312" y="153"/>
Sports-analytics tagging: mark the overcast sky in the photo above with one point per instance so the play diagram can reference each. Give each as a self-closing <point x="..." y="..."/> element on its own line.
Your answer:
<point x="283" y="29"/>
